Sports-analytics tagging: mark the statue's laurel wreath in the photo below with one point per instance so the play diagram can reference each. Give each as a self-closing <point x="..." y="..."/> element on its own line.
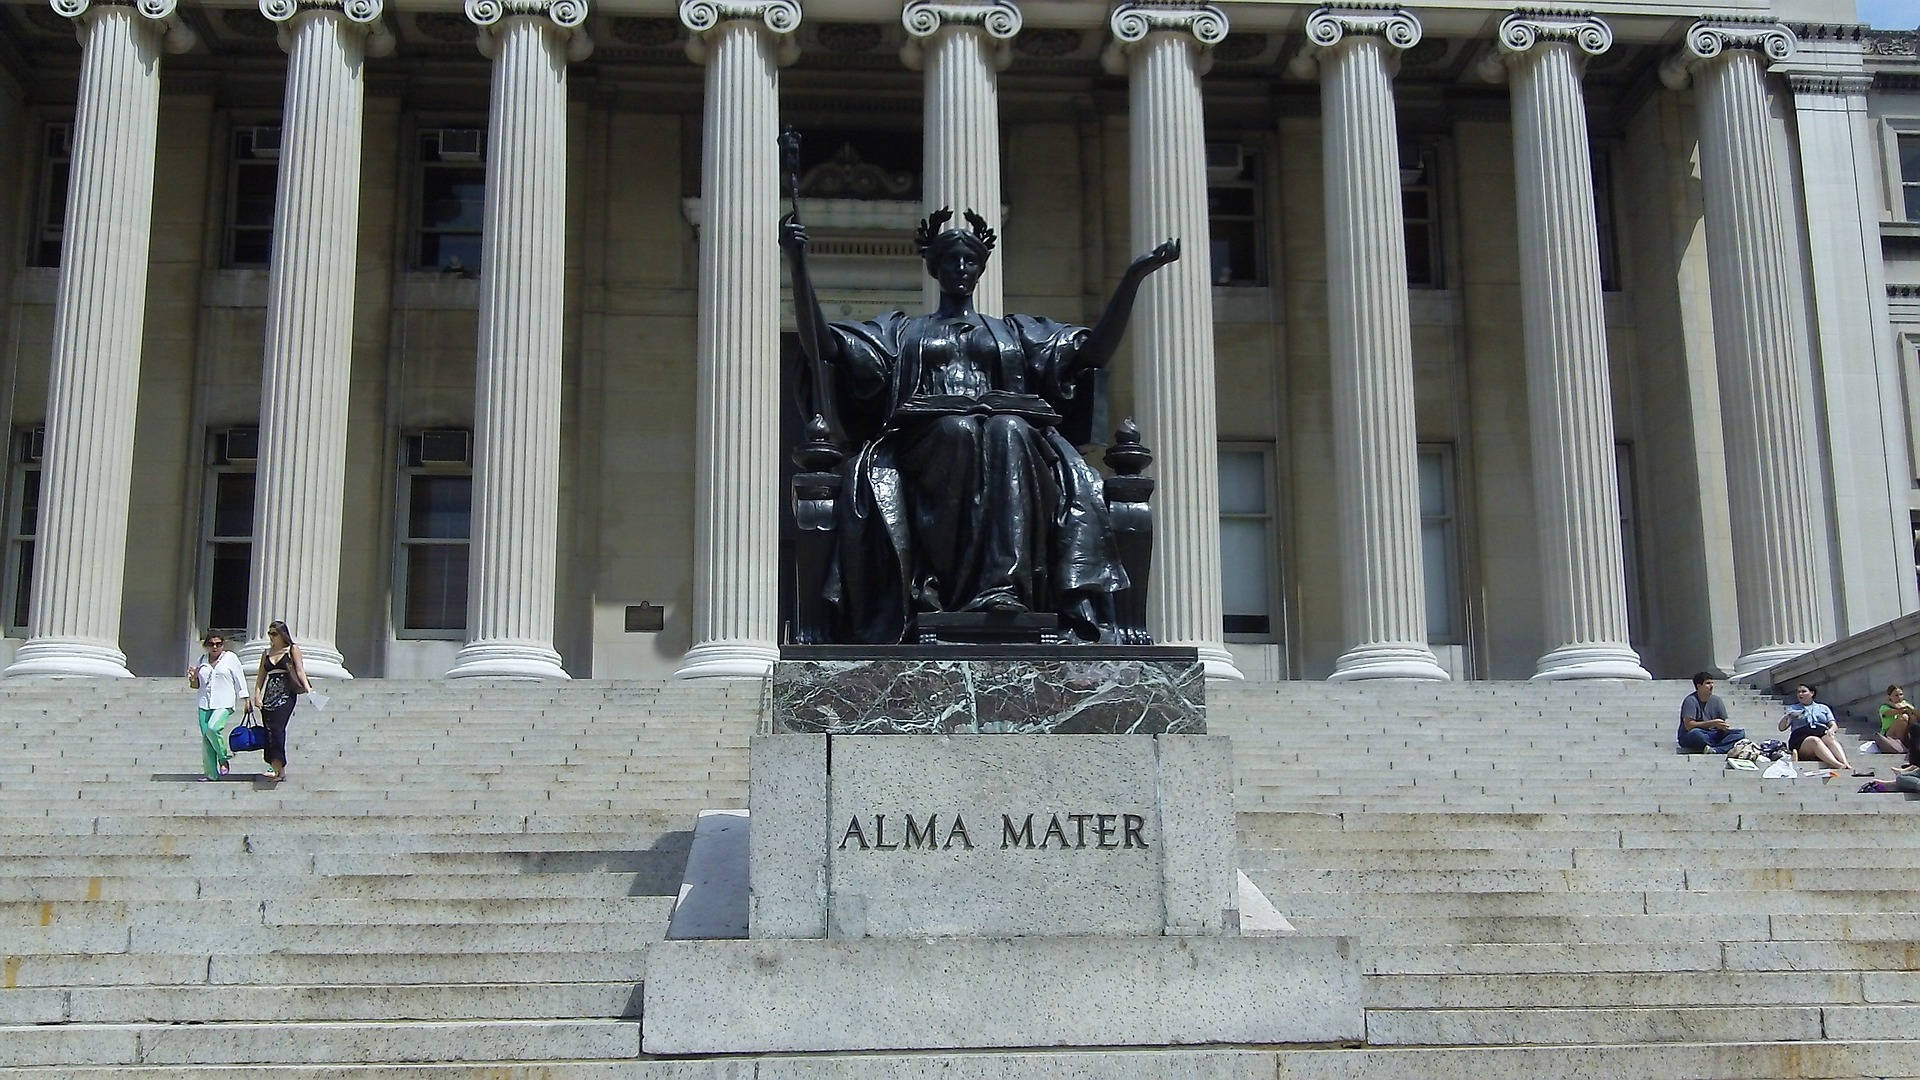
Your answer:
<point x="930" y="228"/>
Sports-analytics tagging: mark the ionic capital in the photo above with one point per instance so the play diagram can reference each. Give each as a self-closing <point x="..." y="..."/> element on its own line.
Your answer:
<point x="1709" y="38"/>
<point x="176" y="36"/>
<point x="1329" y="26"/>
<point x="1000" y="20"/>
<point x="1522" y="31"/>
<point x="567" y="17"/>
<point x="362" y="15"/>
<point x="780" y="17"/>
<point x="1132" y="22"/>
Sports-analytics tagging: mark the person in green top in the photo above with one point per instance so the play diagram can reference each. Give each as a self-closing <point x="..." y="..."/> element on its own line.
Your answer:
<point x="1896" y="715"/>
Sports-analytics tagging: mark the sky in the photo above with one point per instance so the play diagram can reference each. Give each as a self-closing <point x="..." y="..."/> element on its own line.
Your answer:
<point x="1890" y="14"/>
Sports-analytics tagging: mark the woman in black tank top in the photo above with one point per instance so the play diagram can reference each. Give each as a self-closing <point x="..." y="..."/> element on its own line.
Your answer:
<point x="282" y="677"/>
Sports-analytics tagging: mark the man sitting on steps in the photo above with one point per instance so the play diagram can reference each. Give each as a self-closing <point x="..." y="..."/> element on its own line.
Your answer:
<point x="1703" y="720"/>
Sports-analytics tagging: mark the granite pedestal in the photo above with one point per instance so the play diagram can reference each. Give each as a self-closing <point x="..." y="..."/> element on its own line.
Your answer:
<point x="921" y="877"/>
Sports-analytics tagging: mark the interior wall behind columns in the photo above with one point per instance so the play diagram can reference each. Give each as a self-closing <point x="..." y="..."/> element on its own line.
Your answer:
<point x="1040" y="239"/>
<point x="1310" y="525"/>
<point x="1494" y="367"/>
<point x="157" y="610"/>
<point x="645" y="405"/>
<point x="1688" y="556"/>
<point x="367" y="540"/>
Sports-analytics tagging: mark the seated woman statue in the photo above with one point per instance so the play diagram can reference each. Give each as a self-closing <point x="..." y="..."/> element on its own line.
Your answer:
<point x="960" y="493"/>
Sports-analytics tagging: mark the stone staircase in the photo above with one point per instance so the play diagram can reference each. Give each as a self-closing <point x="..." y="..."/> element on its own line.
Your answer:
<point x="461" y="881"/>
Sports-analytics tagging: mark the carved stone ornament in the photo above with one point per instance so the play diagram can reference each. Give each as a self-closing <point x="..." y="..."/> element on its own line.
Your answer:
<point x="568" y="15"/>
<point x="782" y="17"/>
<point x="176" y="37"/>
<point x="1329" y="26"/>
<point x="1522" y="30"/>
<point x="362" y="13"/>
<point x="1838" y="85"/>
<point x="1000" y="20"/>
<point x="1131" y="22"/>
<point x="1708" y="38"/>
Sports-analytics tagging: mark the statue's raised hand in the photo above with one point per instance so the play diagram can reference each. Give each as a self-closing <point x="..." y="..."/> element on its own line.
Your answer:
<point x="1168" y="252"/>
<point x="793" y="235"/>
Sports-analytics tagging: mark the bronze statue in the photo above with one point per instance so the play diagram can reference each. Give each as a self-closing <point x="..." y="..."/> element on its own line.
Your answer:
<point x="961" y="494"/>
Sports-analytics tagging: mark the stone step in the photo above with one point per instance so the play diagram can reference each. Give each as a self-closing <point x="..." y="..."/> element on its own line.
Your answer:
<point x="1755" y="1059"/>
<point x="1507" y="1027"/>
<point x="327" y="969"/>
<point x="307" y="1043"/>
<point x="1639" y="989"/>
<point x="276" y="1004"/>
<point x="1562" y="957"/>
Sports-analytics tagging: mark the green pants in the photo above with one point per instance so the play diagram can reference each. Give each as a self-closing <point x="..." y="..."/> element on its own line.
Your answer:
<point x="214" y="751"/>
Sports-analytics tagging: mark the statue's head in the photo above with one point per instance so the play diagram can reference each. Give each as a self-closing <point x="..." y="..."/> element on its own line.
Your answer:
<point x="955" y="257"/>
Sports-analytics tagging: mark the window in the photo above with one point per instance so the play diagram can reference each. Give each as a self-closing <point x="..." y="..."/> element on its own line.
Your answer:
<point x="436" y="500"/>
<point x="1245" y="542"/>
<point x="50" y="213"/>
<point x="453" y="189"/>
<point x="1604" y="221"/>
<point x="1440" y="544"/>
<point x="229" y="547"/>
<point x="1233" y="215"/>
<point x="1420" y="215"/>
<point x="252" y="171"/>
<point x="23" y="524"/>
<point x="1910" y="175"/>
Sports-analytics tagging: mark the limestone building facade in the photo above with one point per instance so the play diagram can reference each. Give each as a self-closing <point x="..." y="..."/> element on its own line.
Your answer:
<point x="1509" y="342"/>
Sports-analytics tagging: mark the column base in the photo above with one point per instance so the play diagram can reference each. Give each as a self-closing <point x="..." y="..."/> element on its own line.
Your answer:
<point x="733" y="659"/>
<point x="1602" y="661"/>
<point x="52" y="657"/>
<point x="322" y="660"/>
<point x="1388" y="660"/>
<point x="1218" y="662"/>
<point x="502" y="659"/>
<point x="1759" y="660"/>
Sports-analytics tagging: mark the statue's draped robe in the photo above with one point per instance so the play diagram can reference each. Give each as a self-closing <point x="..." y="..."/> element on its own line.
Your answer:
<point x="955" y="512"/>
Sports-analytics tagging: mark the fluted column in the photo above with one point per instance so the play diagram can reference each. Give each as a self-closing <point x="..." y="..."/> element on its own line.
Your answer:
<point x="1163" y="50"/>
<point x="737" y="344"/>
<point x="1583" y="581"/>
<point x="1376" y="467"/>
<point x="1778" y="527"/>
<point x="80" y="560"/>
<point x="960" y="46"/>
<point x="309" y="344"/>
<point x="516" y="475"/>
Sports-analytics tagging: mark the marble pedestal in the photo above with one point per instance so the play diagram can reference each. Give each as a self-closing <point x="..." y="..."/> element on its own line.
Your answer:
<point x="991" y="690"/>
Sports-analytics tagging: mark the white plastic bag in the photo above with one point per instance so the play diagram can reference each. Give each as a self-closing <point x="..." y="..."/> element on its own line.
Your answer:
<point x="1781" y="770"/>
<point x="318" y="701"/>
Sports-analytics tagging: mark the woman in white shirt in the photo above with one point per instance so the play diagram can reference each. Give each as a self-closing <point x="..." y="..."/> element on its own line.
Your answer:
<point x="222" y="684"/>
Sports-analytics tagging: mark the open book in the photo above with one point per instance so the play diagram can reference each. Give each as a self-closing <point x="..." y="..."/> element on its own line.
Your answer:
<point x="1029" y="407"/>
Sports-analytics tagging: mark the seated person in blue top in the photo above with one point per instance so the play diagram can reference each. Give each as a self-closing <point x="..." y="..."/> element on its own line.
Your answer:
<point x="1703" y="720"/>
<point x="1815" y="734"/>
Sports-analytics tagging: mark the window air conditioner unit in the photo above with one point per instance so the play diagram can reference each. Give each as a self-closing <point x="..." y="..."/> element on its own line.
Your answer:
<point x="460" y="144"/>
<point x="443" y="446"/>
<point x="1225" y="161"/>
<point x="266" y="141"/>
<point x="31" y="443"/>
<point x="239" y="444"/>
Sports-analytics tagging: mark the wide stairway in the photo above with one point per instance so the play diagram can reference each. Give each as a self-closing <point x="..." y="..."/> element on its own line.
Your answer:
<point x="461" y="881"/>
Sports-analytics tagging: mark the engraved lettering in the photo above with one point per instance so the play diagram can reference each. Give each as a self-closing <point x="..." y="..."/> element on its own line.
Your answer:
<point x="1133" y="823"/>
<point x="924" y="837"/>
<point x="1011" y="838"/>
<point x="960" y="830"/>
<point x="880" y="834"/>
<point x="854" y="833"/>
<point x="1080" y="828"/>
<point x="1053" y="830"/>
<point x="1104" y="826"/>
